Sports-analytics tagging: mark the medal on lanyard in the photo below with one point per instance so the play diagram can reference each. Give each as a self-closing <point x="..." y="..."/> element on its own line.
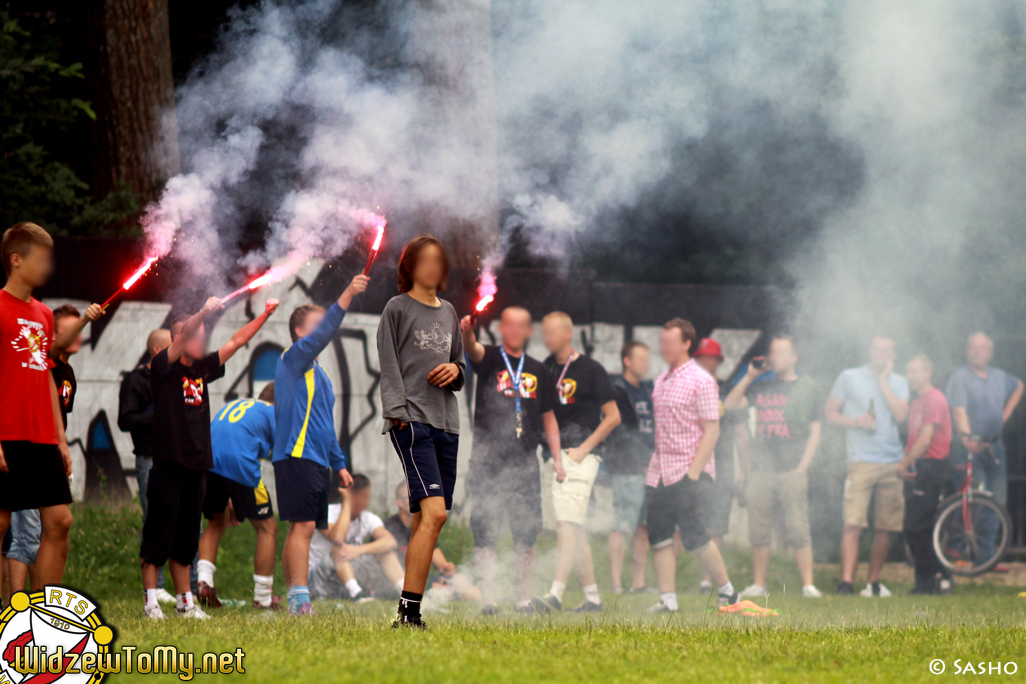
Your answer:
<point x="515" y="377"/>
<point x="559" y="383"/>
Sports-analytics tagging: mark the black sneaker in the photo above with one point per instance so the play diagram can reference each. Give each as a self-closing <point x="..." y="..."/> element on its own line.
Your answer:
<point x="845" y="589"/>
<point x="547" y="603"/>
<point x="588" y="607"/>
<point x="729" y="600"/>
<point x="408" y="621"/>
<point x="919" y="590"/>
<point x="489" y="609"/>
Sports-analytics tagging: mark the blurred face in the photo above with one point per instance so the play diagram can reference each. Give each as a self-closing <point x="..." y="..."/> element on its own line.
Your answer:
<point x="638" y="362"/>
<point x="710" y="363"/>
<point x="556" y="335"/>
<point x="310" y="323"/>
<point x="979" y="351"/>
<point x="882" y="351"/>
<point x="63" y="324"/>
<point x="782" y="356"/>
<point x="403" y="504"/>
<point x="918" y="375"/>
<point x="359" y="501"/>
<point x="672" y="346"/>
<point x="196" y="346"/>
<point x="515" y="328"/>
<point x="430" y="266"/>
<point x="35" y="267"/>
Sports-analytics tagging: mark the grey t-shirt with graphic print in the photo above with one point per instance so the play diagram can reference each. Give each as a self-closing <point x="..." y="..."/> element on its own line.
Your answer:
<point x="413" y="340"/>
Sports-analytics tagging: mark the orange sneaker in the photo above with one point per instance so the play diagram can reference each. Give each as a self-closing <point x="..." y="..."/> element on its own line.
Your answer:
<point x="747" y="607"/>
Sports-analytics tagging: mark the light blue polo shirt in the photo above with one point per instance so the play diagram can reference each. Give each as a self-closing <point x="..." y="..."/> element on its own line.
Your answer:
<point x="855" y="388"/>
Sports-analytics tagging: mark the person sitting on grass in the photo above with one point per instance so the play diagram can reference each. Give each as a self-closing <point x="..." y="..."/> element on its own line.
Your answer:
<point x="354" y="540"/>
<point x="447" y="584"/>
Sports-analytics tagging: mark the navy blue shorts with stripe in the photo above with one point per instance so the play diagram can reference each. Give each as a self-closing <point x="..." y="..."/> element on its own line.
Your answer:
<point x="429" y="460"/>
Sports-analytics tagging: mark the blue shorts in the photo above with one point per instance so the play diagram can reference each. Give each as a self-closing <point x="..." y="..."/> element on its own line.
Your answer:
<point x="429" y="461"/>
<point x="628" y="502"/>
<point x="302" y="487"/>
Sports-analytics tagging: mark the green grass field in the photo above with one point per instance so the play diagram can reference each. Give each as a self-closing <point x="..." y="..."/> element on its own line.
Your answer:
<point x="835" y="639"/>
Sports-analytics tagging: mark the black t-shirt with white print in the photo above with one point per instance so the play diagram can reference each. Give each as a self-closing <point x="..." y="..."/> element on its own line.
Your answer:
<point x="495" y="411"/>
<point x="181" y="410"/>
<point x="579" y="398"/>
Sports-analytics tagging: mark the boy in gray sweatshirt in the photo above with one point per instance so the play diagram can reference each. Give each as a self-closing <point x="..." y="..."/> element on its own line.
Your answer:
<point x="420" y="351"/>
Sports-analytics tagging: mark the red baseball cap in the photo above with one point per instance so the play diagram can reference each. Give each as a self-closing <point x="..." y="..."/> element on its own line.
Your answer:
<point x="709" y="347"/>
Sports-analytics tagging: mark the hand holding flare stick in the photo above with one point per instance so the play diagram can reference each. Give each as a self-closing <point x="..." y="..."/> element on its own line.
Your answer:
<point x="127" y="285"/>
<point x="482" y="304"/>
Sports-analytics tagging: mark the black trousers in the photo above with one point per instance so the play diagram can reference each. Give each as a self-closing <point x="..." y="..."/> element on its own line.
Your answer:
<point x="922" y="495"/>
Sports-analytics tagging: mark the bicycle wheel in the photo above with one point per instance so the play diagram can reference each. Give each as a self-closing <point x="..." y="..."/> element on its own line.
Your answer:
<point x="971" y="536"/>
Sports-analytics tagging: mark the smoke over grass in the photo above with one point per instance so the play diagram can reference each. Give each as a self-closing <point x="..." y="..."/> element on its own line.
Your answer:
<point x="870" y="153"/>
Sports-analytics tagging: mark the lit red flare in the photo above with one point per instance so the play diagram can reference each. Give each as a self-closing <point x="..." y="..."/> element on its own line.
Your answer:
<point x="132" y="280"/>
<point x="481" y="305"/>
<point x="376" y="246"/>
<point x="272" y="276"/>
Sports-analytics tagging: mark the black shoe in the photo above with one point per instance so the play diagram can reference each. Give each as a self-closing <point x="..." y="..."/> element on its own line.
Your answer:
<point x="730" y="600"/>
<point x="489" y="609"/>
<point x="408" y="621"/>
<point x="589" y="607"/>
<point x="845" y="589"/>
<point x="920" y="590"/>
<point x="547" y="603"/>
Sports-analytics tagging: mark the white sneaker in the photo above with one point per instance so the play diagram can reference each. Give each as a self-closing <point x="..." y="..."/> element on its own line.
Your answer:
<point x="811" y="592"/>
<point x="754" y="591"/>
<point x="192" y="612"/>
<point x="164" y="596"/>
<point x="152" y="611"/>
<point x="661" y="607"/>
<point x="875" y="590"/>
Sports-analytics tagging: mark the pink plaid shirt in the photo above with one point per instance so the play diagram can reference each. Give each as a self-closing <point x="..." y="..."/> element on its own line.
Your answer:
<point x="683" y="398"/>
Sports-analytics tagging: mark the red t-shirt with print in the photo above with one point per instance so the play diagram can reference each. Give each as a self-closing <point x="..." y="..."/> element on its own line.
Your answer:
<point x="26" y="407"/>
<point x="930" y="408"/>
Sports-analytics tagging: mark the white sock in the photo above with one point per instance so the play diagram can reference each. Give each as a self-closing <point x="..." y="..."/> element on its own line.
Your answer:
<point x="262" y="586"/>
<point x="670" y="600"/>
<point x="591" y="594"/>
<point x="354" y="588"/>
<point x="399" y="583"/>
<point x="205" y="572"/>
<point x="151" y="597"/>
<point x="184" y="601"/>
<point x="557" y="589"/>
<point x="727" y="589"/>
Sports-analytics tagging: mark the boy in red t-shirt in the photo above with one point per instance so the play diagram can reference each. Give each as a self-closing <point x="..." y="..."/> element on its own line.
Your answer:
<point x="34" y="460"/>
<point x="927" y="474"/>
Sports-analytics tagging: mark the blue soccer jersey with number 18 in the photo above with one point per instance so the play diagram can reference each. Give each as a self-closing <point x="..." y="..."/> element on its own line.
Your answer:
<point x="242" y="433"/>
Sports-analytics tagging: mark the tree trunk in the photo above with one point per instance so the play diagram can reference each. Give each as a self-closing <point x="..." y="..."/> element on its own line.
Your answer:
<point x="135" y="138"/>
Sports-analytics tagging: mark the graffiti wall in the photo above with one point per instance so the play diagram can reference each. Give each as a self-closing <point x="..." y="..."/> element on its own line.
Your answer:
<point x="104" y="465"/>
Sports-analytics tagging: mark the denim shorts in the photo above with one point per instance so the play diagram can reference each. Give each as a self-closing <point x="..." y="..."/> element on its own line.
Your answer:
<point x="26" y="532"/>
<point x="628" y="502"/>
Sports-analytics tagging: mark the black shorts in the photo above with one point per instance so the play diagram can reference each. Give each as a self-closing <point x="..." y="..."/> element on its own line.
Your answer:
<point x="510" y="493"/>
<point x="249" y="503"/>
<point x="429" y="461"/>
<point x="681" y="505"/>
<point x="175" y="502"/>
<point x="35" y="477"/>
<point x="302" y="486"/>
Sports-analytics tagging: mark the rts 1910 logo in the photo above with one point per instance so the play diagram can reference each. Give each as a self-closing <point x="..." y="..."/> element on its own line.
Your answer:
<point x="54" y="634"/>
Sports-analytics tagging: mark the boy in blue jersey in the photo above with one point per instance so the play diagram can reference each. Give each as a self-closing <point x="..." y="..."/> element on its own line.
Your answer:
<point x="306" y="448"/>
<point x="420" y="349"/>
<point x="242" y="435"/>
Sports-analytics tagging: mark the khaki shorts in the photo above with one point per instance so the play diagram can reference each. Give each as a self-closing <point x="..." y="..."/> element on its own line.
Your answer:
<point x="786" y="492"/>
<point x="570" y="497"/>
<point x="866" y="480"/>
